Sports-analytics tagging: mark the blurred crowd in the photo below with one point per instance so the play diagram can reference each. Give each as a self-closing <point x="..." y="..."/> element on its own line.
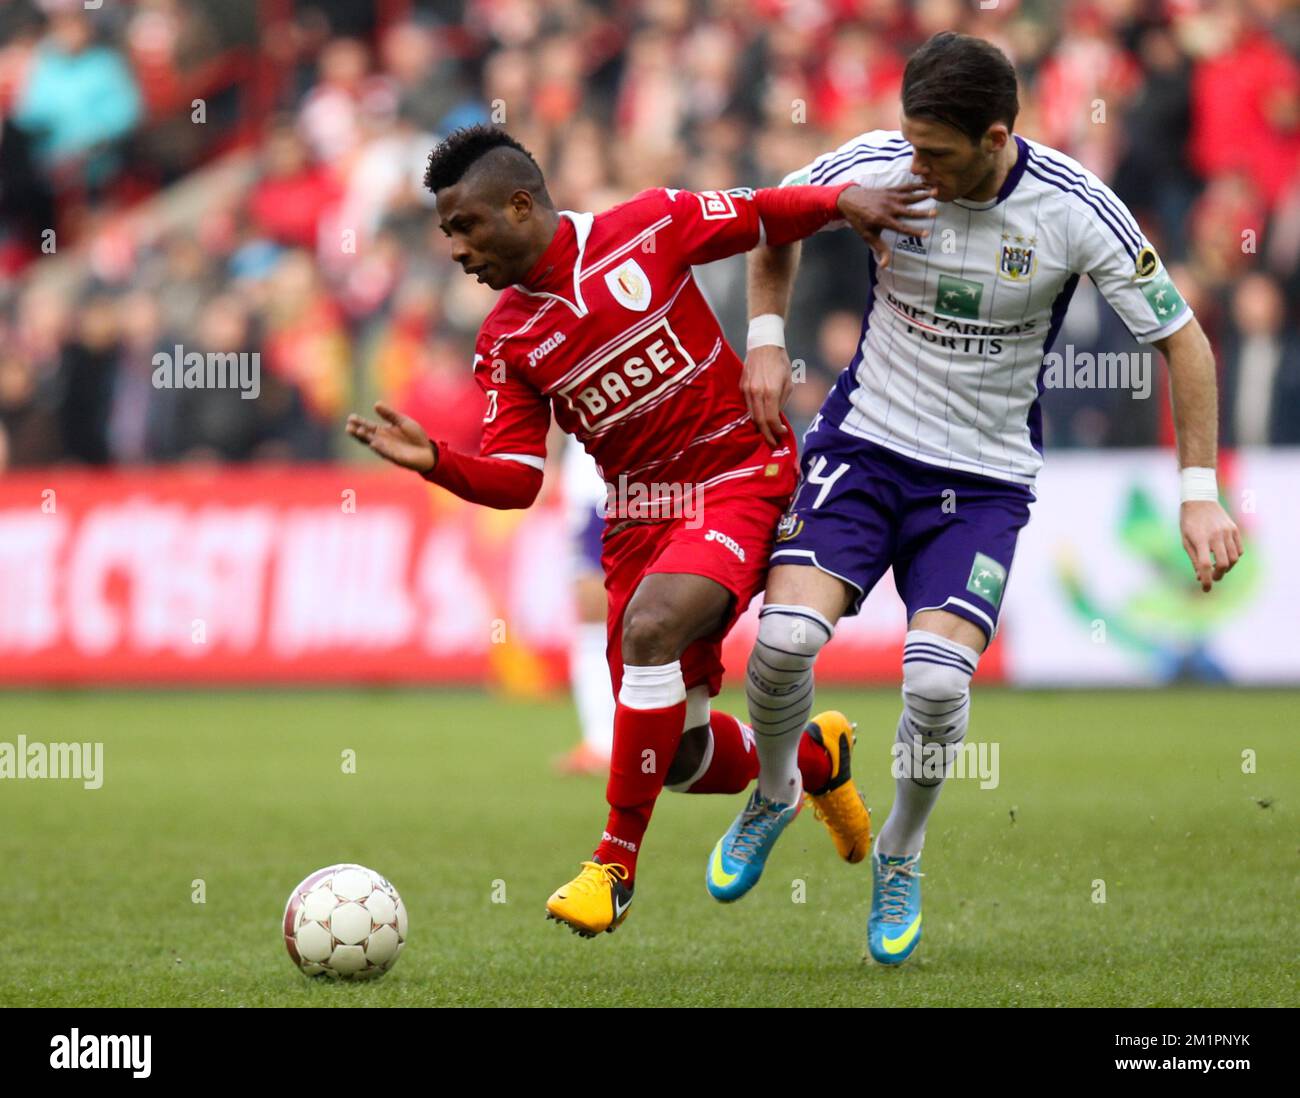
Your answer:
<point x="324" y="257"/>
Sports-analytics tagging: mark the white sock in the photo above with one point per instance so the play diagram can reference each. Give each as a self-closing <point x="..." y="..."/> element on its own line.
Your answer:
<point x="656" y="686"/>
<point x="779" y="686"/>
<point x="592" y="692"/>
<point x="936" y="712"/>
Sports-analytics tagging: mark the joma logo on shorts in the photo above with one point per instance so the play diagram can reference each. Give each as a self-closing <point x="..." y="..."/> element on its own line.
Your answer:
<point x="726" y="542"/>
<point x="545" y="348"/>
<point x="629" y="377"/>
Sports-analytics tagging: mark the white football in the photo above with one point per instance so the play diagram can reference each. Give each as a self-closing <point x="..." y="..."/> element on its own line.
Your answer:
<point x="345" y="921"/>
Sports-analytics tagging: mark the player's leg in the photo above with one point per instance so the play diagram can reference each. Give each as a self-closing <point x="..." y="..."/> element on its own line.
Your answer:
<point x="798" y="618"/>
<point x="952" y="567"/>
<point x="586" y="502"/>
<point x="717" y="752"/>
<point x="792" y="753"/>
<point x="666" y="615"/>
<point x="667" y="612"/>
<point x="831" y="548"/>
<point x="940" y="655"/>
<point x="589" y="674"/>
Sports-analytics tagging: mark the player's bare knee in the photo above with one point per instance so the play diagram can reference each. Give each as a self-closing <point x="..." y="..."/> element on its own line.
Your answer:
<point x="652" y="635"/>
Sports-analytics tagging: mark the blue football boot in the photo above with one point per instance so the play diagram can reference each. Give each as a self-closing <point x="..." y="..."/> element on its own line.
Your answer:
<point x="894" y="926"/>
<point x="739" y="856"/>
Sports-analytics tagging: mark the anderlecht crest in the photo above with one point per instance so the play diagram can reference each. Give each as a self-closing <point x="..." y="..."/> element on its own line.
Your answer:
<point x="1017" y="259"/>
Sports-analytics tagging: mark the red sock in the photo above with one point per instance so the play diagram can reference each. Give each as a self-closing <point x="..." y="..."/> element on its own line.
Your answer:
<point x="645" y="741"/>
<point x="735" y="762"/>
<point x="814" y="764"/>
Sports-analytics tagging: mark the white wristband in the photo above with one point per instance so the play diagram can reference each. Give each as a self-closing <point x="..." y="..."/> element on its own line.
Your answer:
<point x="767" y="330"/>
<point x="1199" y="483"/>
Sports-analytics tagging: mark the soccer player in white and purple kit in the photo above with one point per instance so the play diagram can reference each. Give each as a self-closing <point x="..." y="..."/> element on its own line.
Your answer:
<point x="924" y="454"/>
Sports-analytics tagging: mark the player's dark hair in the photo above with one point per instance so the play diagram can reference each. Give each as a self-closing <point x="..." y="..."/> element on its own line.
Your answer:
<point x="962" y="81"/>
<point x="485" y="149"/>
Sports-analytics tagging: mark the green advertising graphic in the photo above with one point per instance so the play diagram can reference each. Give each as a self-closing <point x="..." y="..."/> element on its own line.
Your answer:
<point x="1169" y="620"/>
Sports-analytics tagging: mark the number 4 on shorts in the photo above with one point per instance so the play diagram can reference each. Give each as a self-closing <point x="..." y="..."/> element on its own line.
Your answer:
<point x="815" y="476"/>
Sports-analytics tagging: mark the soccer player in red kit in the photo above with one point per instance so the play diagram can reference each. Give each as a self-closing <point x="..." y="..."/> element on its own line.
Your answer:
<point x="601" y="324"/>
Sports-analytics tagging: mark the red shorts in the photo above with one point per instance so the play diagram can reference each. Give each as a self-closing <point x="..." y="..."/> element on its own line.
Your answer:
<point x="728" y="541"/>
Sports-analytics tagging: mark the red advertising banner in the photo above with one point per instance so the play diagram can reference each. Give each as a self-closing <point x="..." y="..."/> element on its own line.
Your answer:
<point x="308" y="575"/>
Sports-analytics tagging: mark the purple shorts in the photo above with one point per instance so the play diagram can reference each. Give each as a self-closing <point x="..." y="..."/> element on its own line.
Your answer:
<point x="861" y="508"/>
<point x="589" y="541"/>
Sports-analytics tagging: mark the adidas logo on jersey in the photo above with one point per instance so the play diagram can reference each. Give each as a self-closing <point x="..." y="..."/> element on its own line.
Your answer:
<point x="910" y="243"/>
<point x="545" y="348"/>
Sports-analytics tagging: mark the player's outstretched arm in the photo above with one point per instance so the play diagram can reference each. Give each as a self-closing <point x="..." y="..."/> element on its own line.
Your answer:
<point x="396" y="438"/>
<point x="765" y="382"/>
<point x="502" y="483"/>
<point x="1211" y="538"/>
<point x="869" y="212"/>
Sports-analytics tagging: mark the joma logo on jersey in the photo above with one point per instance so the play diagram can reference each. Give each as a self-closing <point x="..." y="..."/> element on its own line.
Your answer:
<point x="629" y="377"/>
<point x="545" y="348"/>
<point x="727" y="543"/>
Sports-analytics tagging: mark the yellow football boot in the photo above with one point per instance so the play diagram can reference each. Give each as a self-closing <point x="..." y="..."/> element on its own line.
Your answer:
<point x="596" y="899"/>
<point x="838" y="804"/>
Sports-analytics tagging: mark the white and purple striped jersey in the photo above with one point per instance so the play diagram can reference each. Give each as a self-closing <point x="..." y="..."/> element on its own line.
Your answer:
<point x="949" y="370"/>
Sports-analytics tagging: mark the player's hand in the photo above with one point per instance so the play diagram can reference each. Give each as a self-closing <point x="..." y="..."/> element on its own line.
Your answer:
<point x="765" y="383"/>
<point x="398" y="438"/>
<point x="1207" y="530"/>
<point x="870" y="211"/>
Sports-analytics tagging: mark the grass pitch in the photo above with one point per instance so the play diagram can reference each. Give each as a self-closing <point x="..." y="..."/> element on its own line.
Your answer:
<point x="453" y="799"/>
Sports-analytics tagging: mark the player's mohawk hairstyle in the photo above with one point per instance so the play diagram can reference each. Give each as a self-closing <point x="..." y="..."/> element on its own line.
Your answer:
<point x="463" y="148"/>
<point x="962" y="81"/>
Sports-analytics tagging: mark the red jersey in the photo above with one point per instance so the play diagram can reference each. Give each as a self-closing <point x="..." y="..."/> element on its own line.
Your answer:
<point x="610" y="333"/>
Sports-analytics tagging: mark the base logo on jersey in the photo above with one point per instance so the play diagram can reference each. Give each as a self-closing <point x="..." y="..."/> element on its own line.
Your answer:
<point x="789" y="527"/>
<point x="642" y="369"/>
<point x="1018" y="260"/>
<point x="718" y="205"/>
<point x="959" y="297"/>
<point x="629" y="285"/>
<point x="987" y="578"/>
